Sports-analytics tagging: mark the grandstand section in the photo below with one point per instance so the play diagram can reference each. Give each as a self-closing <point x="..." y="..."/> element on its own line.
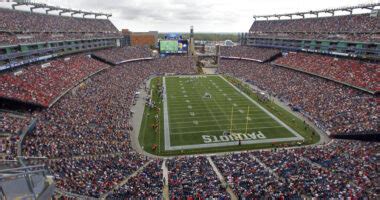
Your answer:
<point x="347" y="34"/>
<point x="42" y="84"/>
<point x="291" y="111"/>
<point x="356" y="73"/>
<point x="27" y="37"/>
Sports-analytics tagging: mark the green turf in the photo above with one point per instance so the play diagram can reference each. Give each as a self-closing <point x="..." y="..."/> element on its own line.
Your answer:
<point x="213" y="116"/>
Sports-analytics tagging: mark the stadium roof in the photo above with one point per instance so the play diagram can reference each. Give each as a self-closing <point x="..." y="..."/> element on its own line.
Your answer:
<point x="317" y="12"/>
<point x="56" y="8"/>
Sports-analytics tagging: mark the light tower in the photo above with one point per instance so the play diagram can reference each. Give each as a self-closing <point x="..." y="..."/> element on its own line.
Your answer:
<point x="191" y="41"/>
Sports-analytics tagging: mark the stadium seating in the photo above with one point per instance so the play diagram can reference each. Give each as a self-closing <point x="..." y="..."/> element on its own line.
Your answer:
<point x="12" y="126"/>
<point x="193" y="178"/>
<point x="248" y="178"/>
<point x="25" y="27"/>
<point x="357" y="73"/>
<point x="244" y="52"/>
<point x="335" y="108"/>
<point x="348" y="27"/>
<point x="42" y="83"/>
<point x="84" y="139"/>
<point x="93" y="175"/>
<point x="148" y="184"/>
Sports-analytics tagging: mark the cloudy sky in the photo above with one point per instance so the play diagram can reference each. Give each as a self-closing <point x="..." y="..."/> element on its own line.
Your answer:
<point x="204" y="15"/>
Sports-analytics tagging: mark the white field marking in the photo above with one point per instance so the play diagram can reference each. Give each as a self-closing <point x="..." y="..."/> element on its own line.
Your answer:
<point x="227" y="125"/>
<point x="196" y="146"/>
<point x="234" y="143"/>
<point x="220" y="107"/>
<point x="197" y="103"/>
<point x="211" y="113"/>
<point x="198" y="108"/>
<point x="221" y="130"/>
<point x="215" y="93"/>
<point x="189" y="107"/>
<point x="249" y="118"/>
<point x="197" y="100"/>
<point x="192" y="113"/>
<point x="179" y="108"/>
<point x="297" y="136"/>
<point x="241" y="111"/>
<point x="181" y="114"/>
<point x="235" y="104"/>
<point x="166" y="116"/>
<point x="212" y="121"/>
<point x="195" y="122"/>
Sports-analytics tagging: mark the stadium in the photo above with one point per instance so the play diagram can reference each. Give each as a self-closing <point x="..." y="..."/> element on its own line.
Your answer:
<point x="290" y="110"/>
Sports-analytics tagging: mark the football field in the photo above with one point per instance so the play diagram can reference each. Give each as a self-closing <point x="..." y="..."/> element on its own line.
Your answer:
<point x="209" y="111"/>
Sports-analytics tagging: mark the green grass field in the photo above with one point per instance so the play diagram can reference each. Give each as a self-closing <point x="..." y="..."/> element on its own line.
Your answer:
<point x="201" y="114"/>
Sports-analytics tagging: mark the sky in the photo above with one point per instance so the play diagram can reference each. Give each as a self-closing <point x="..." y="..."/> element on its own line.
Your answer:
<point x="204" y="15"/>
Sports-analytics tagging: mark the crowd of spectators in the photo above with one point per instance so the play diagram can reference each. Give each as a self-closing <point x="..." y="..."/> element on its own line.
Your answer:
<point x="92" y="120"/>
<point x="350" y="71"/>
<point x="249" y="179"/>
<point x="306" y="179"/>
<point x="85" y="138"/>
<point x="43" y="83"/>
<point x="360" y="27"/>
<point x="20" y="27"/>
<point x="118" y="55"/>
<point x="335" y="108"/>
<point x="26" y="38"/>
<point x="12" y="124"/>
<point x="241" y="52"/>
<point x="147" y="184"/>
<point x="10" y="130"/>
<point x="194" y="178"/>
<point x="361" y="37"/>
<point x="353" y="160"/>
<point x="23" y="21"/>
<point x="93" y="175"/>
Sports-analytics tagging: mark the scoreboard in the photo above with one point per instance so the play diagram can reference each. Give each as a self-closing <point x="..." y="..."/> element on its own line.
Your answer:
<point x="173" y="46"/>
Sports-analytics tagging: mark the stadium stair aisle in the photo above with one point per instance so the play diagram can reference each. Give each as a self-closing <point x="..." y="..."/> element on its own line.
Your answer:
<point x="221" y="179"/>
<point x="165" y="175"/>
<point x="104" y="196"/>
<point x="265" y="166"/>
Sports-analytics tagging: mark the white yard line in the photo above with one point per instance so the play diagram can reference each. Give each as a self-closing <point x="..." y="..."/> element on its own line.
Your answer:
<point x="208" y="121"/>
<point x="194" y="100"/>
<point x="221" y="130"/>
<point x="166" y="116"/>
<point x="195" y="126"/>
<point x="186" y="113"/>
<point x="201" y="109"/>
